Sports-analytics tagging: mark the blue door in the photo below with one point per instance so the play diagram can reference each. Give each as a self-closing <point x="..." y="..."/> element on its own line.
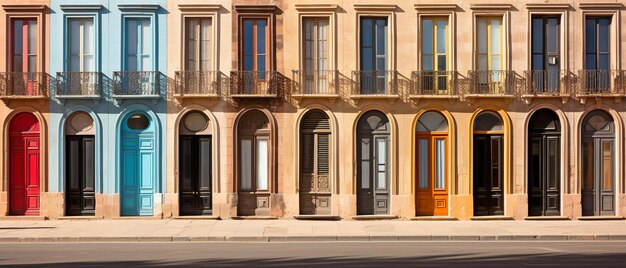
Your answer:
<point x="137" y="165"/>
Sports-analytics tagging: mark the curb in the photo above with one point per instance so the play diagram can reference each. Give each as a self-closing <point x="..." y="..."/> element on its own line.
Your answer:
<point x="378" y="238"/>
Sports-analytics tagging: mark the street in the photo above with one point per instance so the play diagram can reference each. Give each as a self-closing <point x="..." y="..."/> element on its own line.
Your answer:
<point x="345" y="254"/>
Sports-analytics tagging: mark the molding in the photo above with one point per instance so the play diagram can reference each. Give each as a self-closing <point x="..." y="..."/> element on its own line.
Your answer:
<point x="23" y="8"/>
<point x="491" y="6"/>
<point x="256" y="8"/>
<point x="81" y="7"/>
<point x="198" y="7"/>
<point x="419" y="7"/>
<point x="138" y="7"/>
<point x="375" y="7"/>
<point x="316" y="7"/>
<point x="547" y="6"/>
<point x="593" y="5"/>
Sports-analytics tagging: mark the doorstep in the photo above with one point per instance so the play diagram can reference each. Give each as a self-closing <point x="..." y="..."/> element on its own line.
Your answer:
<point x="137" y="218"/>
<point x="23" y="218"/>
<point x="491" y="218"/>
<point x="197" y="217"/>
<point x="72" y="218"/>
<point x="374" y="217"/>
<point x="600" y="218"/>
<point x="254" y="218"/>
<point x="317" y="217"/>
<point x="434" y="218"/>
<point x="547" y="218"/>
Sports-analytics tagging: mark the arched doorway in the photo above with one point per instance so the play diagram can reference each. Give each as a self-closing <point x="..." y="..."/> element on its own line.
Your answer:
<point x="544" y="164"/>
<point x="431" y="193"/>
<point x="195" y="164"/>
<point x="598" y="164"/>
<point x="373" y="146"/>
<point x="80" y="182"/>
<point x="488" y="164"/>
<point x="138" y="165"/>
<point x="24" y="165"/>
<point x="254" y="154"/>
<point x="315" y="184"/>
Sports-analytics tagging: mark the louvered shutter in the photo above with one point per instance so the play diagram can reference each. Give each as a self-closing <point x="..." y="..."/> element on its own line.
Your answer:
<point x="307" y="153"/>
<point x="322" y="154"/>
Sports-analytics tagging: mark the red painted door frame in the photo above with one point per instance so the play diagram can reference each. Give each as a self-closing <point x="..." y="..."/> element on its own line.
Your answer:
<point x="24" y="165"/>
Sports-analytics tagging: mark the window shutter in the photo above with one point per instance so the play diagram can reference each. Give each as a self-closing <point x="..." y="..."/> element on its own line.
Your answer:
<point x="315" y="120"/>
<point x="322" y="154"/>
<point x="306" y="153"/>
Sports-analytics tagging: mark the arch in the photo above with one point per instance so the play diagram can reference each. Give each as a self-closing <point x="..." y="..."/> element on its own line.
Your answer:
<point x="254" y="202"/>
<point x="449" y="132"/>
<point x="506" y="151"/>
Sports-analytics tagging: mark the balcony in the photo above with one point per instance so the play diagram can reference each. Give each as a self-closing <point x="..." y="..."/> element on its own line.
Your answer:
<point x="601" y="83"/>
<point x="311" y="84"/>
<point x="17" y="85"/>
<point x="254" y="84"/>
<point x="78" y="85"/>
<point x="374" y="85"/>
<point x="198" y="84"/>
<point x="434" y="85"/>
<point x="491" y="84"/>
<point x="136" y="85"/>
<point x="547" y="84"/>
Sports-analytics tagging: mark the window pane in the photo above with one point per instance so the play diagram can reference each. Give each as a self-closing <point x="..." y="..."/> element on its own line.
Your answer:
<point x="607" y="166"/>
<point x="603" y="34"/>
<point x="32" y="64"/>
<point x="261" y="64"/>
<point x="88" y="63"/>
<point x="366" y="33"/>
<point x="262" y="164"/>
<point x="248" y="27"/>
<point x="427" y="63"/>
<point x="427" y="36"/>
<point x="482" y="36"/>
<point x="88" y="37"/>
<point x="248" y="63"/>
<point x="495" y="63"/>
<point x="482" y="63"/>
<point x="495" y="162"/>
<point x="537" y="35"/>
<point x="261" y="32"/>
<point x="441" y="63"/>
<point x="590" y="62"/>
<point x="381" y="179"/>
<point x="245" y="169"/>
<point x="423" y="169"/>
<point x="495" y="36"/>
<point x="365" y="163"/>
<point x="552" y="35"/>
<point x="588" y="165"/>
<point x="131" y="37"/>
<point x="18" y="38"/>
<point x="440" y="164"/>
<point x="146" y="37"/>
<point x="381" y="37"/>
<point x="32" y="37"/>
<point x="590" y="35"/>
<point x="441" y="36"/>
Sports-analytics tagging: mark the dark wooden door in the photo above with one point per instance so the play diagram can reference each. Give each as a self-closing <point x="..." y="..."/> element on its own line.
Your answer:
<point x="195" y="175"/>
<point x="488" y="173"/>
<point x="543" y="175"/>
<point x="80" y="193"/>
<point x="373" y="179"/>
<point x="598" y="193"/>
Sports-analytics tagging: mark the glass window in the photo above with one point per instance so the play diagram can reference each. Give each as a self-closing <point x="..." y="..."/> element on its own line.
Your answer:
<point x="81" y="45"/>
<point x="431" y="121"/>
<point x="488" y="121"/>
<point x="434" y="44"/>
<point x="198" y="44"/>
<point x="315" y="55"/>
<point x="138" y="44"/>
<point x="138" y="122"/>
<point x="381" y="148"/>
<point x="262" y="164"/>
<point x="255" y="56"/>
<point x="597" y="45"/>
<point x="489" y="43"/>
<point x="245" y="169"/>
<point x="365" y="163"/>
<point x="24" y="49"/>
<point x="423" y="169"/>
<point x="373" y="44"/>
<point x="440" y="164"/>
<point x="607" y="165"/>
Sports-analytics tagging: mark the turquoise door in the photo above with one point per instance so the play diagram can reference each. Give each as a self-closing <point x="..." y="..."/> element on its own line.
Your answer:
<point x="137" y="165"/>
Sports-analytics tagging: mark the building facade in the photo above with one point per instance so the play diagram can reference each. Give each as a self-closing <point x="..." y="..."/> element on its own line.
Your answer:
<point x="335" y="110"/>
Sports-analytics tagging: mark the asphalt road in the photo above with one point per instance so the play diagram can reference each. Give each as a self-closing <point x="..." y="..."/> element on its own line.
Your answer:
<point x="349" y="254"/>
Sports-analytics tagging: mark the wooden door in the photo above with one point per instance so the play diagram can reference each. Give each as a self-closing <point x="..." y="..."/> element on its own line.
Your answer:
<point x="598" y="191"/>
<point x="195" y="175"/>
<point x="314" y="183"/>
<point x="544" y="175"/>
<point x="373" y="177"/>
<point x="80" y="190"/>
<point x="488" y="173"/>
<point x="24" y="165"/>
<point x="431" y="166"/>
<point x="138" y="171"/>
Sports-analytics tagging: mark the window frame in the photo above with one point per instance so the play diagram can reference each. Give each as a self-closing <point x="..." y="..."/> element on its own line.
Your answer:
<point x="489" y="53"/>
<point x="269" y="41"/>
<point x="200" y="11"/>
<point x="556" y="10"/>
<point x="153" y="29"/>
<point x="198" y="58"/>
<point x="67" y="47"/>
<point x="27" y="12"/>
<point x="374" y="11"/>
<point x="598" y="10"/>
<point x="11" y="42"/>
<point x="492" y="11"/>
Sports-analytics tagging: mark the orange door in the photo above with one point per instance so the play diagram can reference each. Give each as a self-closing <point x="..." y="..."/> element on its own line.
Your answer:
<point x="431" y="162"/>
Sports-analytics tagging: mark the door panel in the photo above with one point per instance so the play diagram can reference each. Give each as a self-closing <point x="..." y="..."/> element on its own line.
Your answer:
<point x="24" y="173"/>
<point x="195" y="175"/>
<point x="80" y="176"/>
<point x="186" y="175"/>
<point x="488" y="193"/>
<point x="365" y="198"/>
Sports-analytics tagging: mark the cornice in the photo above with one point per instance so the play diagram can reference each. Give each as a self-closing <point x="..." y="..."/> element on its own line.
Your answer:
<point x="198" y="7"/>
<point x="490" y="6"/>
<point x="81" y="7"/>
<point x="594" y="5"/>
<point x="420" y="7"/>
<point x="375" y="7"/>
<point x="22" y="8"/>
<point x="138" y="7"/>
<point x="255" y="8"/>
<point x="548" y="6"/>
<point x="316" y="7"/>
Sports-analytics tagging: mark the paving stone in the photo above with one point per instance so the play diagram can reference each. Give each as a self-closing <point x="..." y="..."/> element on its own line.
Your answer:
<point x="464" y="237"/>
<point x="383" y="238"/>
<point x="415" y="238"/>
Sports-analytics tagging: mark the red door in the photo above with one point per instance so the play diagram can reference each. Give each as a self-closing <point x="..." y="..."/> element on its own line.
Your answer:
<point x="24" y="173"/>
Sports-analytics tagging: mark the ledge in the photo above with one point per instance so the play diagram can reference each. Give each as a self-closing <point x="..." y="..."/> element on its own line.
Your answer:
<point x="197" y="217"/>
<point x="255" y="8"/>
<point x="23" y="218"/>
<point x="197" y="96"/>
<point x="18" y="8"/>
<point x="374" y="217"/>
<point x="490" y="6"/>
<point x="593" y="5"/>
<point x="316" y="7"/>
<point x="434" y="218"/>
<point x="491" y="218"/>
<point x="375" y="7"/>
<point x="253" y="96"/>
<point x="391" y="98"/>
<point x="442" y="6"/>
<point x="81" y="7"/>
<point x="153" y="217"/>
<point x="528" y="98"/>
<point x="548" y="6"/>
<point x="84" y="218"/>
<point x="14" y="97"/>
<point x="600" y="218"/>
<point x="198" y="7"/>
<point x="138" y="7"/>
<point x="317" y="217"/>
<point x="547" y="218"/>
<point x="254" y="218"/>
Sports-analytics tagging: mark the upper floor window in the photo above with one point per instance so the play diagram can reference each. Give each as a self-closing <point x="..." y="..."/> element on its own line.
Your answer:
<point x="597" y="40"/>
<point x="198" y="44"/>
<point x="489" y="42"/>
<point x="25" y="44"/>
<point x="138" y="45"/>
<point x="374" y="44"/>
<point x="81" y="45"/>
<point x="434" y="44"/>
<point x="255" y="45"/>
<point x="315" y="42"/>
<point x="545" y="55"/>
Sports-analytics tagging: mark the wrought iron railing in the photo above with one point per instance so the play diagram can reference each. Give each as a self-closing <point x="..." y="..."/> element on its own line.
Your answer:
<point x="439" y="83"/>
<point x="601" y="82"/>
<point x="19" y="84"/>
<point x="254" y="83"/>
<point x="87" y="84"/>
<point x="548" y="82"/>
<point x="374" y="82"/>
<point x="197" y="83"/>
<point x="136" y="83"/>
<point x="491" y="82"/>
<point x="315" y="82"/>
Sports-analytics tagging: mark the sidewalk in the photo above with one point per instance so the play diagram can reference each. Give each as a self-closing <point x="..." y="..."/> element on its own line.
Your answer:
<point x="168" y="230"/>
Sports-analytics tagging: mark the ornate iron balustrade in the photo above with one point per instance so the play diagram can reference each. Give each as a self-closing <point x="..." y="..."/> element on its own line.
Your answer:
<point x="19" y="84"/>
<point x="548" y="82"/>
<point x="197" y="83"/>
<point x="374" y="82"/>
<point x="315" y="82"/>
<point x="251" y="83"/>
<point x="491" y="82"/>
<point x="435" y="83"/>
<point x="136" y="83"/>
<point x="79" y="84"/>
<point x="601" y="82"/>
